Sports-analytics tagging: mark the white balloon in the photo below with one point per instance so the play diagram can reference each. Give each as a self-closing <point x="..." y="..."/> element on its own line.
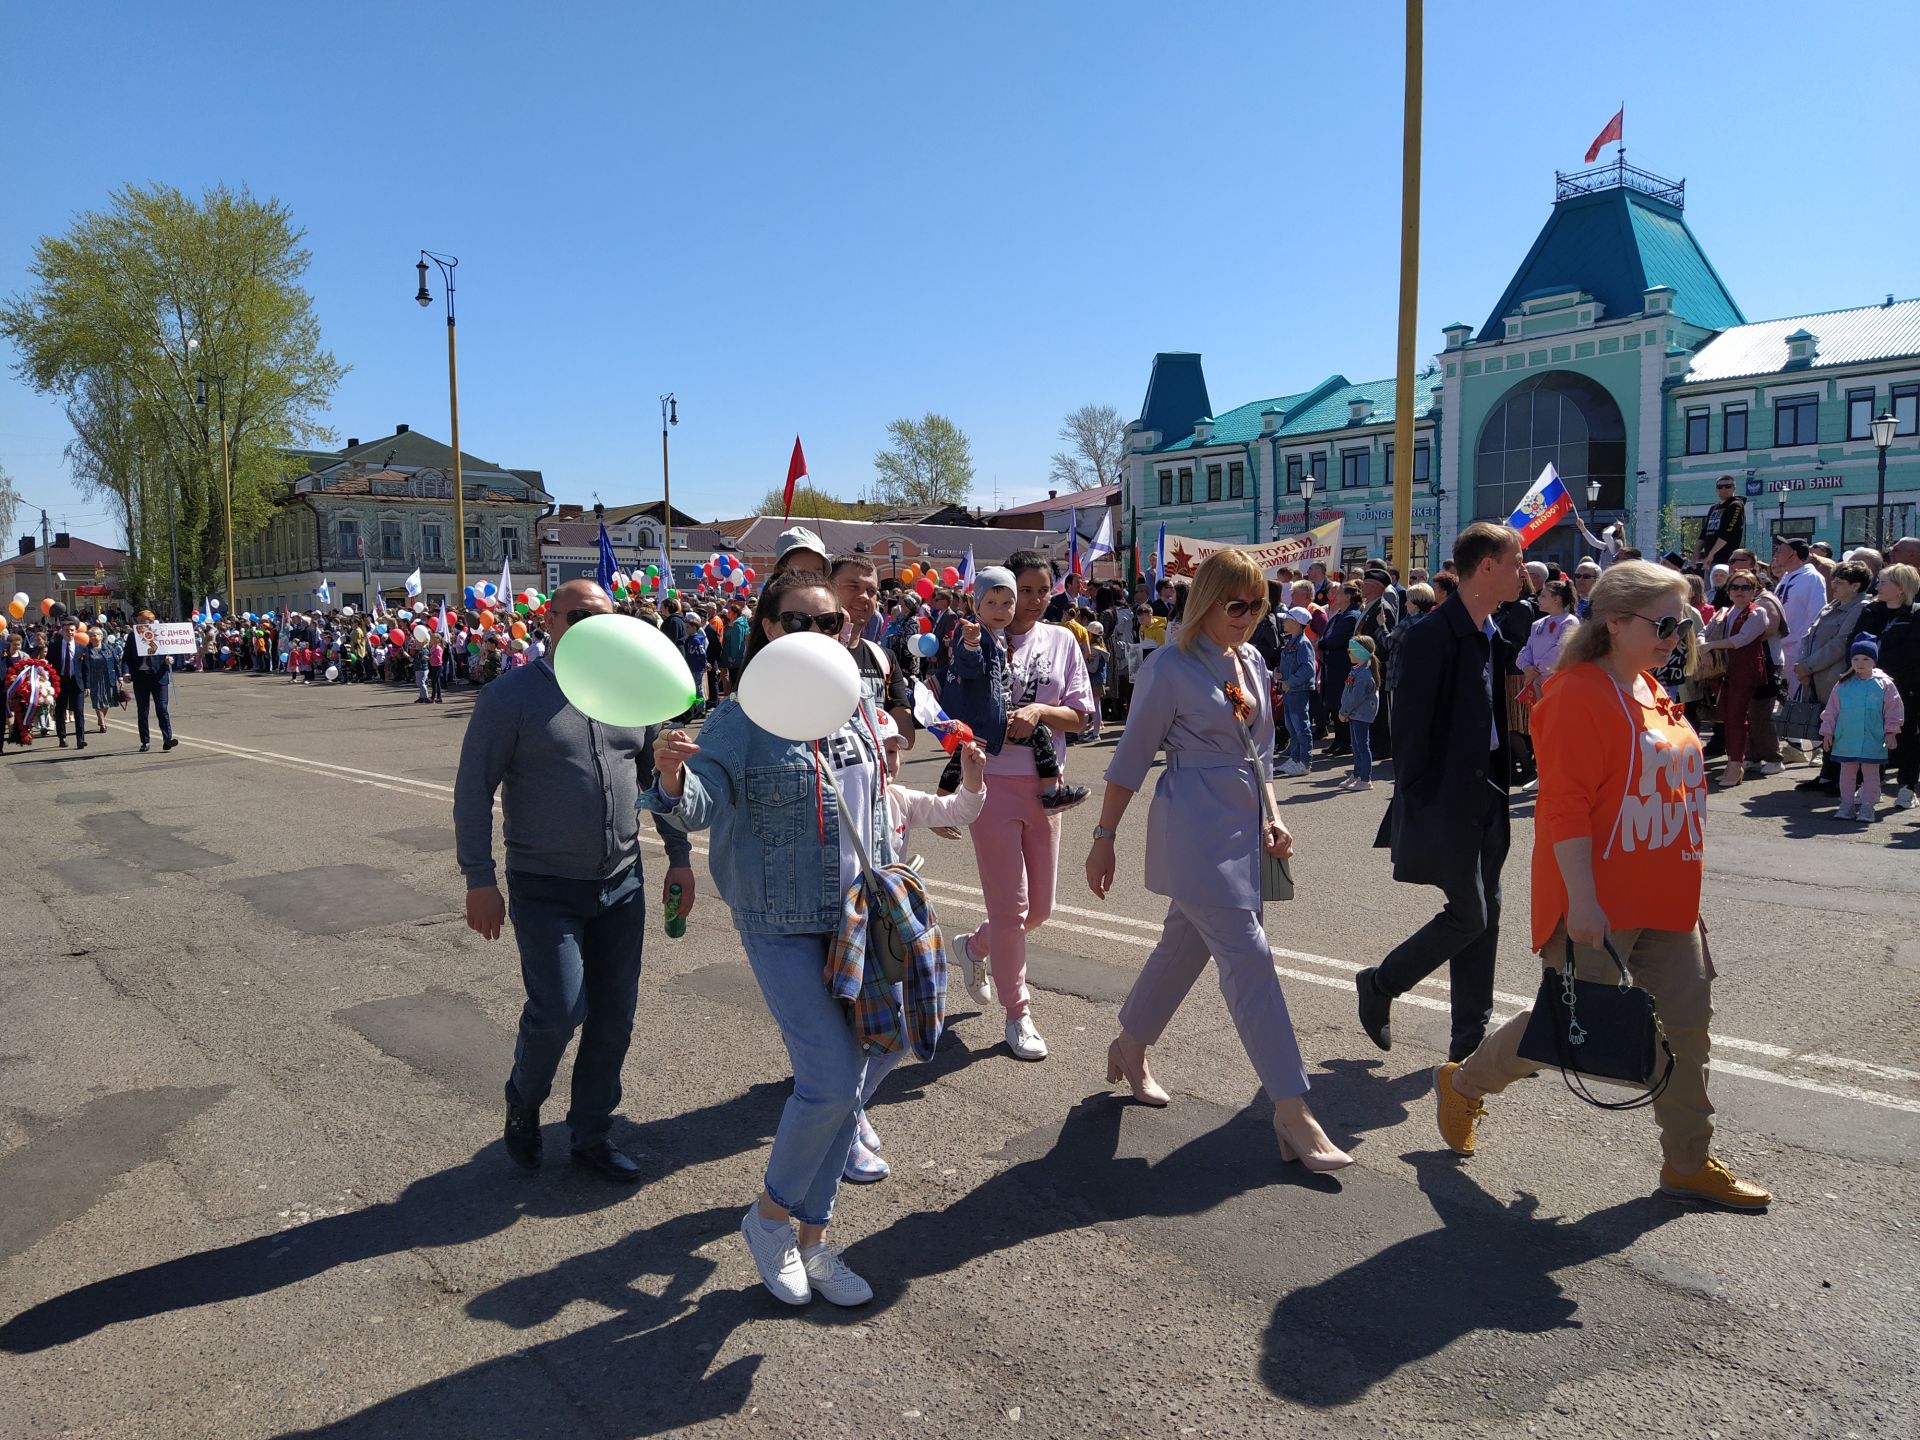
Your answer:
<point x="333" y="672"/>
<point x="803" y="686"/>
<point x="421" y="634"/>
<point x="20" y="597"/>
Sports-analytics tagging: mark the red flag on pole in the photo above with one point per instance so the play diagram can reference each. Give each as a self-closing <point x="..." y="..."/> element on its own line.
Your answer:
<point x="796" y="472"/>
<point x="1613" y="134"/>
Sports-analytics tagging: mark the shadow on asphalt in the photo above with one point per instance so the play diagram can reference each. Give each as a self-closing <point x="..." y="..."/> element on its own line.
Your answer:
<point x="481" y="1197"/>
<point x="1488" y="1267"/>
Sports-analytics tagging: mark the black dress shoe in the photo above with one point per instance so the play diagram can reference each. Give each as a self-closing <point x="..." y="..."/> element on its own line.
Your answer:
<point x="523" y="1136"/>
<point x="169" y="744"/>
<point x="1376" y="1010"/>
<point x="605" y="1159"/>
<point x="1460" y="1048"/>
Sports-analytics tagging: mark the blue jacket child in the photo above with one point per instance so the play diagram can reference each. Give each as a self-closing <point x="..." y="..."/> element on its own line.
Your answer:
<point x="978" y="684"/>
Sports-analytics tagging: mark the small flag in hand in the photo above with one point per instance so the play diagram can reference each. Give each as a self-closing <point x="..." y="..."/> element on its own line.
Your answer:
<point x="951" y="733"/>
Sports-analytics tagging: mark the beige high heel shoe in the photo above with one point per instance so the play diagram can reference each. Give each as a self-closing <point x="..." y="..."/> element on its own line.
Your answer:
<point x="1139" y="1079"/>
<point x="1305" y="1147"/>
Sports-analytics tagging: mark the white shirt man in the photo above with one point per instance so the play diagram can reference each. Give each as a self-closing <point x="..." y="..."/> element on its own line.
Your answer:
<point x="1801" y="593"/>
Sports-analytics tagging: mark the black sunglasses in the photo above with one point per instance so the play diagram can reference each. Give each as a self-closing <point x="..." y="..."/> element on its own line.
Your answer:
<point x="1240" y="609"/>
<point x="1723" y="487"/>
<point x="1742" y="585"/>
<point x="574" y="617"/>
<point x="827" y="622"/>
<point x="1666" y="627"/>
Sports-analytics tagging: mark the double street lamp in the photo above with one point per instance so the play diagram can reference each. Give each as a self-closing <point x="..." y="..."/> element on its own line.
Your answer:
<point x="669" y="415"/>
<point x="1883" y="428"/>
<point x="424" y="297"/>
<point x="226" y="464"/>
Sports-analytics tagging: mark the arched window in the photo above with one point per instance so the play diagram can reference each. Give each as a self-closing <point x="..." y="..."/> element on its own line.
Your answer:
<point x="1557" y="418"/>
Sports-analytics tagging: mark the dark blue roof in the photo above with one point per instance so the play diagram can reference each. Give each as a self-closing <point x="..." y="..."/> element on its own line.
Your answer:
<point x="1176" y="395"/>
<point x="1615" y="244"/>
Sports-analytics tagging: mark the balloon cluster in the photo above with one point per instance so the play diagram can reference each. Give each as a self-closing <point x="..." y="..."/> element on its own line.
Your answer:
<point x="649" y="582"/>
<point x="922" y="579"/>
<point x="726" y="573"/>
<point x="17" y="607"/>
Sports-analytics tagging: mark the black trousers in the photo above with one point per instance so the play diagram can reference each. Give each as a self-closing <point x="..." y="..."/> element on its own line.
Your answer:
<point x="1464" y="937"/>
<point x="71" y="698"/>
<point x="151" y="690"/>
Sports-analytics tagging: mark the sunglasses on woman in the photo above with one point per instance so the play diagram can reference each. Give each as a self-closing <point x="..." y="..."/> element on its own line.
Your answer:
<point x="1240" y="609"/>
<point x="1736" y="589"/>
<point x="1666" y="627"/>
<point x="827" y="622"/>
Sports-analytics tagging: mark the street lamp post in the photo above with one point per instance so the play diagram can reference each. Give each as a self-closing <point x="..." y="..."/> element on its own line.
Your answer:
<point x="1593" y="505"/>
<point x="447" y="264"/>
<point x="669" y="415"/>
<point x="1883" y="428"/>
<point x="226" y="471"/>
<point x="1306" y="503"/>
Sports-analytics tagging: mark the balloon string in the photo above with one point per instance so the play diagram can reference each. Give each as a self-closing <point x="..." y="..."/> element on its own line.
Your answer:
<point x="819" y="796"/>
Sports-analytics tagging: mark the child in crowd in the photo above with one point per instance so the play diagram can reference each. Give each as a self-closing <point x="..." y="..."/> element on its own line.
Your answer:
<point x="905" y="810"/>
<point x="1862" y="719"/>
<point x="1359" y="706"/>
<point x="979" y="690"/>
<point x="1098" y="663"/>
<point x="1298" y="674"/>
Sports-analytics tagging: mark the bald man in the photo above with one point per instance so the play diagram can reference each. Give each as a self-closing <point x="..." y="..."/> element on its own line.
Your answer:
<point x="573" y="871"/>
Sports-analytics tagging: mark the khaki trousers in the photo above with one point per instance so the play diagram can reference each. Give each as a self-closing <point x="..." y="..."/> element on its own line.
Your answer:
<point x="1676" y="968"/>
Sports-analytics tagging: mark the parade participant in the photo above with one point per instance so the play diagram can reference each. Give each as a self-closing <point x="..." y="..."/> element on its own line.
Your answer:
<point x="68" y="657"/>
<point x="1198" y="700"/>
<point x="104" y="674"/>
<point x="1343" y="618"/>
<point x="1016" y="840"/>
<point x="31" y="689"/>
<point x="1609" y="739"/>
<point x="857" y="586"/>
<point x="1447" y="824"/>
<point x="152" y="683"/>
<point x="783" y="865"/>
<point x="574" y="874"/>
<point x="1359" y="708"/>
<point x="798" y="548"/>
<point x="1299" y="665"/>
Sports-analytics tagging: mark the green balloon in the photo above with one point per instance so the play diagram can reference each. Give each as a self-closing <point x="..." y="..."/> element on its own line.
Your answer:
<point x="653" y="570"/>
<point x="619" y="670"/>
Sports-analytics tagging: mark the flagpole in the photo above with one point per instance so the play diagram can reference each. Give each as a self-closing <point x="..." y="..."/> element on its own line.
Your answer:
<point x="1409" y="291"/>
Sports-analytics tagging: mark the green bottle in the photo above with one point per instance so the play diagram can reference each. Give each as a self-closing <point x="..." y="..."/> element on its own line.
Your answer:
<point x="676" y="922"/>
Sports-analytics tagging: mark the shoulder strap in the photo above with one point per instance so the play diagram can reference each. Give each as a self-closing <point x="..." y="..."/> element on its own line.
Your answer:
<point x="1261" y="782"/>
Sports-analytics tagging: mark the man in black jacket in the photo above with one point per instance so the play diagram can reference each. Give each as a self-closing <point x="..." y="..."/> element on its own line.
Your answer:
<point x="1343" y="618"/>
<point x="69" y="660"/>
<point x="1447" y="824"/>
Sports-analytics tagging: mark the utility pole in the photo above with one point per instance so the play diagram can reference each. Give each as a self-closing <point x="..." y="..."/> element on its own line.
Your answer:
<point x="1409" y="291"/>
<point x="46" y="554"/>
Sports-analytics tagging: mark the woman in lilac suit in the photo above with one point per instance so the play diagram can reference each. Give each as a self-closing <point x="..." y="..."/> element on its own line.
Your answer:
<point x="1205" y="837"/>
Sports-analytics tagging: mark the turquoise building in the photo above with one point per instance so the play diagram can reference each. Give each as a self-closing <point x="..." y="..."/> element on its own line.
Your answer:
<point x="1618" y="354"/>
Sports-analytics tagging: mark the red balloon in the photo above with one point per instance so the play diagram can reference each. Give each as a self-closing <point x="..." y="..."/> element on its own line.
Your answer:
<point x="926" y="625"/>
<point x="707" y="569"/>
<point x="750" y="577"/>
<point x="949" y="576"/>
<point x="924" y="587"/>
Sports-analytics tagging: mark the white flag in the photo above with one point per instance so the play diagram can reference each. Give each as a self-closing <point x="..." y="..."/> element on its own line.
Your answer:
<point x="323" y="595"/>
<point x="1102" y="542"/>
<point x="506" y="583"/>
<point x="413" y="583"/>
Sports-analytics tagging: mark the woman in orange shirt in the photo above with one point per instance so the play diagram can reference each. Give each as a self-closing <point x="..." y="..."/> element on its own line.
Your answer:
<point x="1619" y="845"/>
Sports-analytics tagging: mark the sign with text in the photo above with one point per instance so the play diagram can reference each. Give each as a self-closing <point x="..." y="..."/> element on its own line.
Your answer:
<point x="162" y="637"/>
<point x="1295" y="552"/>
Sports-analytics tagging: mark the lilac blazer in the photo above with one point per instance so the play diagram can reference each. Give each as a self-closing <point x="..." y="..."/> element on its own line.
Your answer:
<point x="1203" y="827"/>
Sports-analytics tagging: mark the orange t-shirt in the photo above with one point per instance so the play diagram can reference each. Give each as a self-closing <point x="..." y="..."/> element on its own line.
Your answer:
<point x="1632" y="778"/>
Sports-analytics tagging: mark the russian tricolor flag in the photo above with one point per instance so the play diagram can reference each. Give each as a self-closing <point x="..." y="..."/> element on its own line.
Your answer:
<point x="1541" y="507"/>
<point x="951" y="733"/>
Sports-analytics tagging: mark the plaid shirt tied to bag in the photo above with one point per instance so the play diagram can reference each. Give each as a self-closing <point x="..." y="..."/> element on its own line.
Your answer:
<point x="888" y="928"/>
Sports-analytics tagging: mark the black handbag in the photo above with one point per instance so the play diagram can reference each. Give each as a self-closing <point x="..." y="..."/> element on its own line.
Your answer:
<point x="1797" y="716"/>
<point x="1610" y="1032"/>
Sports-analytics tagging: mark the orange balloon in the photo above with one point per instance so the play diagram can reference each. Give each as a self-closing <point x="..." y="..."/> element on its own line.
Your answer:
<point x="16" y="609"/>
<point x="486" y="620"/>
<point x="46" y="607"/>
<point x="910" y="574"/>
<point x="82" y="639"/>
<point x="519" y="630"/>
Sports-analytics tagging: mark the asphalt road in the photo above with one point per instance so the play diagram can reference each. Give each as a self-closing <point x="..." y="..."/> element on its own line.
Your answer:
<point x="251" y="1181"/>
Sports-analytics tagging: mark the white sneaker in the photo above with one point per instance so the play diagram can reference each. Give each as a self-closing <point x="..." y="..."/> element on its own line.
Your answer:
<point x="979" y="978"/>
<point x="1291" y="768"/>
<point x="1904" y="800"/>
<point x="1772" y="767"/>
<point x="1845" y="812"/>
<point x="832" y="1280"/>
<point x="776" y="1254"/>
<point x="1360" y="785"/>
<point x="1024" y="1040"/>
<point x="1347" y="784"/>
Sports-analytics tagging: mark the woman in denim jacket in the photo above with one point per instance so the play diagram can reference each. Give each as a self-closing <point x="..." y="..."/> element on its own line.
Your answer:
<point x="783" y="867"/>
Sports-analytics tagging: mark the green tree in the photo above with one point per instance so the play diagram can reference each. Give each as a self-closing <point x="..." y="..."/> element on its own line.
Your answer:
<point x="1096" y="435"/>
<point x="808" y="503"/>
<point x="927" y="462"/>
<point x="9" y="503"/>
<point x="139" y="310"/>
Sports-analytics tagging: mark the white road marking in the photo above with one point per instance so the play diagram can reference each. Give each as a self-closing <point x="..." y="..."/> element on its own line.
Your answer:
<point x="1146" y="932"/>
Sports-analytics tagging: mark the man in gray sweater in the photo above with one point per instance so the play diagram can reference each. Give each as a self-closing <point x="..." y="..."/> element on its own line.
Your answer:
<point x="573" y="871"/>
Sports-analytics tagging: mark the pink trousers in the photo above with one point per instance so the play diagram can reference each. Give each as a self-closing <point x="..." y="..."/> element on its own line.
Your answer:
<point x="1016" y="845"/>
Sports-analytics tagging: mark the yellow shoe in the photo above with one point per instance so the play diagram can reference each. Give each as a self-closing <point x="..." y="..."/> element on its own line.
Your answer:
<point x="1714" y="1184"/>
<point x="1458" y="1115"/>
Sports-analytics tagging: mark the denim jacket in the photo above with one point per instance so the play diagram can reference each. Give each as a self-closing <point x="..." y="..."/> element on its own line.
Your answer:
<point x="976" y="689"/>
<point x="775" y="854"/>
<point x="1298" y="663"/>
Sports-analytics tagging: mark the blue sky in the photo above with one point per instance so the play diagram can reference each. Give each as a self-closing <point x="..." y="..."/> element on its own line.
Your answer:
<point x="814" y="219"/>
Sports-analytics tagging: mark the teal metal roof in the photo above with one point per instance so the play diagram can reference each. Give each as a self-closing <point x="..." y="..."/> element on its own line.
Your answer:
<point x="1176" y="394"/>
<point x="1615" y="244"/>
<point x="1332" y="411"/>
<point x="1840" y="337"/>
<point x="1242" y="423"/>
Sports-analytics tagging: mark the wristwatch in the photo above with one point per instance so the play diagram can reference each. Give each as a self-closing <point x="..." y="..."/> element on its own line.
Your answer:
<point x="1105" y="832"/>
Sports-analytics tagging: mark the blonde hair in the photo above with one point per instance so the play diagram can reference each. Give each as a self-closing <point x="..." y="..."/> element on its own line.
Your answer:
<point x="1906" y="577"/>
<point x="1224" y="575"/>
<point x="1626" y="587"/>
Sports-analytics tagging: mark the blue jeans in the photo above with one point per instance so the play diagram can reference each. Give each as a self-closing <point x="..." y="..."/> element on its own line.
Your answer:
<point x="1297" y="705"/>
<point x="816" y="1127"/>
<point x="1360" y="736"/>
<point x="580" y="961"/>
